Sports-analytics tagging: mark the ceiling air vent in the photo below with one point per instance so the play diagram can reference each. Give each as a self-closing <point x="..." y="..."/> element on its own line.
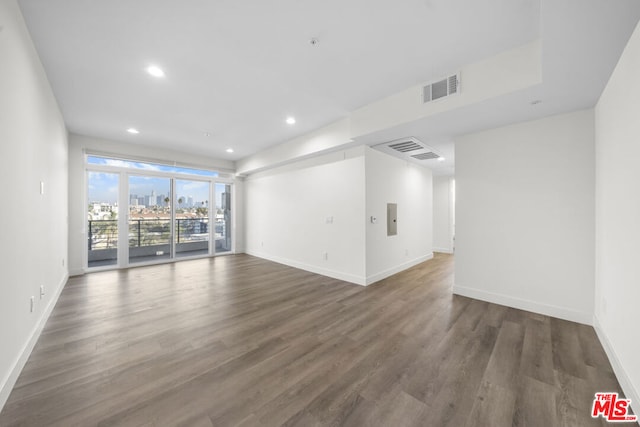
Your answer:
<point x="406" y="146"/>
<point x="441" y="89"/>
<point x="409" y="149"/>
<point x="425" y="156"/>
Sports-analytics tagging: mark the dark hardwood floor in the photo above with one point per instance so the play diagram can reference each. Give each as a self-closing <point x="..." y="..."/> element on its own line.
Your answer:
<point x="242" y="341"/>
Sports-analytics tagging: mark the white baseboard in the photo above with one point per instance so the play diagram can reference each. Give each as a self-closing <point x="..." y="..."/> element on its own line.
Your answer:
<point x="522" y="304"/>
<point x="443" y="250"/>
<point x="347" y="277"/>
<point x="76" y="272"/>
<point x="7" y="384"/>
<point x="629" y="390"/>
<point x="391" y="271"/>
<point x="352" y="278"/>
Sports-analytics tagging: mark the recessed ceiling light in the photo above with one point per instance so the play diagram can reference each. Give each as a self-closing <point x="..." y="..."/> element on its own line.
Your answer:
<point x="229" y="150"/>
<point x="314" y="41"/>
<point x="155" y="71"/>
<point x="291" y="120"/>
<point x="441" y="159"/>
<point x="536" y="102"/>
<point x="207" y="134"/>
<point x="133" y="131"/>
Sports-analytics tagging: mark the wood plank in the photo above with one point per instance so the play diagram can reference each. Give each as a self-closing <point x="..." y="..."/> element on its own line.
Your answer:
<point x="567" y="352"/>
<point x="537" y="355"/>
<point x="535" y="405"/>
<point x="504" y="366"/>
<point x="242" y="341"/>
<point x="494" y="406"/>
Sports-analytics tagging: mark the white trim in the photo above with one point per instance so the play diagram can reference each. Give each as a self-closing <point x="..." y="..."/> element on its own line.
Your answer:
<point x="395" y="270"/>
<point x="212" y="218"/>
<point x="629" y="390"/>
<point x="443" y="250"/>
<point x="523" y="304"/>
<point x="175" y="204"/>
<point x="234" y="219"/>
<point x="157" y="161"/>
<point x="10" y="381"/>
<point x="83" y="209"/>
<point x="122" y="250"/>
<point x="351" y="278"/>
<point x="76" y="272"/>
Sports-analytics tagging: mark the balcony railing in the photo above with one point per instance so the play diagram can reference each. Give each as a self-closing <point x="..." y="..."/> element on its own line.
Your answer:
<point x="150" y="239"/>
<point x="103" y="234"/>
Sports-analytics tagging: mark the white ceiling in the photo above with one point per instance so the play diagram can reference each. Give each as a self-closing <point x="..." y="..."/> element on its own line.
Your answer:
<point x="582" y="41"/>
<point x="237" y="69"/>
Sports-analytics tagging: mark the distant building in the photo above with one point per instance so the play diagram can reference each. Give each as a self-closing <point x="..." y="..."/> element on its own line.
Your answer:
<point x="153" y="199"/>
<point x="103" y="211"/>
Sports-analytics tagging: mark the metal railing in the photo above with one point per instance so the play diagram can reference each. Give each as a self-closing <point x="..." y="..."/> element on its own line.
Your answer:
<point x="103" y="234"/>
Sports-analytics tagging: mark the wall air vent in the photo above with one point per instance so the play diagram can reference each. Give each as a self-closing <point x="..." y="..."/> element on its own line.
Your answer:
<point x="409" y="149"/>
<point x="441" y="88"/>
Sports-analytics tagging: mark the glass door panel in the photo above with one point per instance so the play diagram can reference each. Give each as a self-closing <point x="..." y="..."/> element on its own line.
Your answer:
<point x="223" y="218"/>
<point x="102" y="226"/>
<point x="149" y="218"/>
<point x="192" y="218"/>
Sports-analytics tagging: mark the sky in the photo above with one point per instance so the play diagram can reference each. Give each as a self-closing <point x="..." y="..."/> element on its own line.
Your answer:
<point x="103" y="186"/>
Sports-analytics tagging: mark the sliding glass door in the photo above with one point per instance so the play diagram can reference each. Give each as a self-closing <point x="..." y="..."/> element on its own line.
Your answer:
<point x="191" y="217"/>
<point x="102" y="214"/>
<point x="223" y="218"/>
<point x="150" y="215"/>
<point x="145" y="213"/>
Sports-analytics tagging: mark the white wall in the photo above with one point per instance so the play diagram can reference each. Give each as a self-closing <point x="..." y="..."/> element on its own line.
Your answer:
<point x="287" y="212"/>
<point x="617" y="318"/>
<point x="525" y="221"/>
<point x="296" y="214"/>
<point x="391" y="180"/>
<point x="78" y="145"/>
<point x="504" y="73"/>
<point x="443" y="214"/>
<point x="33" y="148"/>
<point x="327" y="138"/>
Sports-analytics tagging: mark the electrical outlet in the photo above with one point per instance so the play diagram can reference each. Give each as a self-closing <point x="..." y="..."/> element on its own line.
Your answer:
<point x="63" y="262"/>
<point x="41" y="291"/>
<point x="32" y="304"/>
<point x="262" y="244"/>
<point x="325" y="256"/>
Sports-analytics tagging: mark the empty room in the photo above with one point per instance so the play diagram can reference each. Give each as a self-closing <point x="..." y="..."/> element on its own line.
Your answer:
<point x="337" y="213"/>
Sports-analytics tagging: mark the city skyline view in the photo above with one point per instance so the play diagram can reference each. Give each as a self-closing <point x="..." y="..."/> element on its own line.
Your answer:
<point x="103" y="187"/>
